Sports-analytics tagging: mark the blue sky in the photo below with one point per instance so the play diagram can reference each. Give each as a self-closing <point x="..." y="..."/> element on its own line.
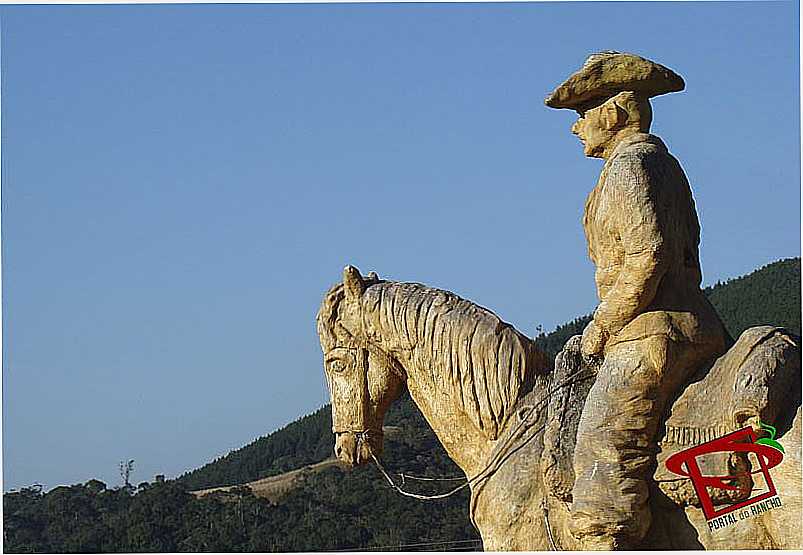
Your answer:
<point x="181" y="184"/>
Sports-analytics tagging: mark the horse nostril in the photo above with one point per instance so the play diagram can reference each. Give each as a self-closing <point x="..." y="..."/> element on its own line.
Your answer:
<point x="338" y="451"/>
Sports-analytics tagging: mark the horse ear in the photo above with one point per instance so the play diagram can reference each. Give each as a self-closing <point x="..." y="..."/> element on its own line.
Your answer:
<point x="373" y="276"/>
<point x="352" y="282"/>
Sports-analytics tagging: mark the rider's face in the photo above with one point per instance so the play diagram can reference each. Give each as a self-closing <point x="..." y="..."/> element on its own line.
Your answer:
<point x="594" y="131"/>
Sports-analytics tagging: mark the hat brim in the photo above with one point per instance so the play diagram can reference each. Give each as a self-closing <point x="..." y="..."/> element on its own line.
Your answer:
<point x="606" y="75"/>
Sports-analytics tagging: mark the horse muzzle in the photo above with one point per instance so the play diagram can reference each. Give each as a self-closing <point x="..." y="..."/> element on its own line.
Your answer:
<point x="355" y="448"/>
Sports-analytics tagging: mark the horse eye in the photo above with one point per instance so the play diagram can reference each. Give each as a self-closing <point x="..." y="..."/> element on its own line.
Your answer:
<point x="337" y="366"/>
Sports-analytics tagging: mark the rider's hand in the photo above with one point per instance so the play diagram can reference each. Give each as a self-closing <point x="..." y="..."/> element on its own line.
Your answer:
<point x="593" y="342"/>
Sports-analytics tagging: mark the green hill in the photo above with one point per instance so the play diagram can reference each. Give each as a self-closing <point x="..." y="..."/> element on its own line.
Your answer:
<point x="305" y="441"/>
<point x="770" y="295"/>
<point x="334" y="509"/>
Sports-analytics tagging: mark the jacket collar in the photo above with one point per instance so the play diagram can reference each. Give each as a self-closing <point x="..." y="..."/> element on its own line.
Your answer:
<point x="635" y="139"/>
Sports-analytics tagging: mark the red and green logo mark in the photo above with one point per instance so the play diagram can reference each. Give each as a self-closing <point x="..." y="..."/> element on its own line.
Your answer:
<point x="763" y="454"/>
<point x="770" y="441"/>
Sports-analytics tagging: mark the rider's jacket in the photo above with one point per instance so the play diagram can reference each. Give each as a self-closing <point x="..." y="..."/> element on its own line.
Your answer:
<point x="643" y="235"/>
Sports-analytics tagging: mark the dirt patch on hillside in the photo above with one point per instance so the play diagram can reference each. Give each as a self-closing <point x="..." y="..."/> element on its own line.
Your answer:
<point x="273" y="488"/>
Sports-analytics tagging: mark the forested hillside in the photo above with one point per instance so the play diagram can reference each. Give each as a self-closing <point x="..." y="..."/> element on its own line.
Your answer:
<point x="334" y="509"/>
<point x="770" y="295"/>
<point x="305" y="441"/>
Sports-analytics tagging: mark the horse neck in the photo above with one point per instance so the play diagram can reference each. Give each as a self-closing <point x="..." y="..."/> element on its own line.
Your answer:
<point x="467" y="446"/>
<point x="394" y="314"/>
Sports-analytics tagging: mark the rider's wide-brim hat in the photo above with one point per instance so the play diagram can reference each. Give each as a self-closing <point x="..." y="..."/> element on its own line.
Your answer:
<point x="606" y="74"/>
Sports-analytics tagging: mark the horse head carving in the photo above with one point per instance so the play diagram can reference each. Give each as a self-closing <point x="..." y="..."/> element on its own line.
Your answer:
<point x="463" y="366"/>
<point x="363" y="381"/>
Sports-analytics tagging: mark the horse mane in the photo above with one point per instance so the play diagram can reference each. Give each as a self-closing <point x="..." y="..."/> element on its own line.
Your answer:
<point x="326" y="322"/>
<point x="485" y="362"/>
<point x="330" y="331"/>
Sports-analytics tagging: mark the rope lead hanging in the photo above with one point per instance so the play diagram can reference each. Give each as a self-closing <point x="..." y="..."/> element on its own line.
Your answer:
<point x="495" y="461"/>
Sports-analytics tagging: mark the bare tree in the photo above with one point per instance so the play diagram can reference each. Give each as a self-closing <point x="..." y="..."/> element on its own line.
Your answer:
<point x="125" y="472"/>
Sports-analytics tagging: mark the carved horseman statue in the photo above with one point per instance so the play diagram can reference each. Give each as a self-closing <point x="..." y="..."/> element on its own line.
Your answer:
<point x="653" y="326"/>
<point x="554" y="461"/>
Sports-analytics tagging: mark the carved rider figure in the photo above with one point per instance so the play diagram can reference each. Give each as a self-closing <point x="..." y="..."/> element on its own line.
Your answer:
<point x="653" y="327"/>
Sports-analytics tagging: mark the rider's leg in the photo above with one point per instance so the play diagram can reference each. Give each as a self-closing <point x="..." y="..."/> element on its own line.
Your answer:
<point x="615" y="446"/>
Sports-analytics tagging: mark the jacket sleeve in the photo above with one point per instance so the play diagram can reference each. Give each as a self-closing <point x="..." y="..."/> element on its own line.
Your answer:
<point x="633" y="196"/>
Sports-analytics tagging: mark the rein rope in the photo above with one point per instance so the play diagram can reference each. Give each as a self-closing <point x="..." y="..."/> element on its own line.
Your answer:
<point x="496" y="461"/>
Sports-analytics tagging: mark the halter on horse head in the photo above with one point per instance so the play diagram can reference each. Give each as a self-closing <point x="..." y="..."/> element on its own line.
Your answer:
<point x="363" y="381"/>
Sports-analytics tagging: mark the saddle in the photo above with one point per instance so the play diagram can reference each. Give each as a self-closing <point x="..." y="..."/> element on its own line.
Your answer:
<point x="758" y="379"/>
